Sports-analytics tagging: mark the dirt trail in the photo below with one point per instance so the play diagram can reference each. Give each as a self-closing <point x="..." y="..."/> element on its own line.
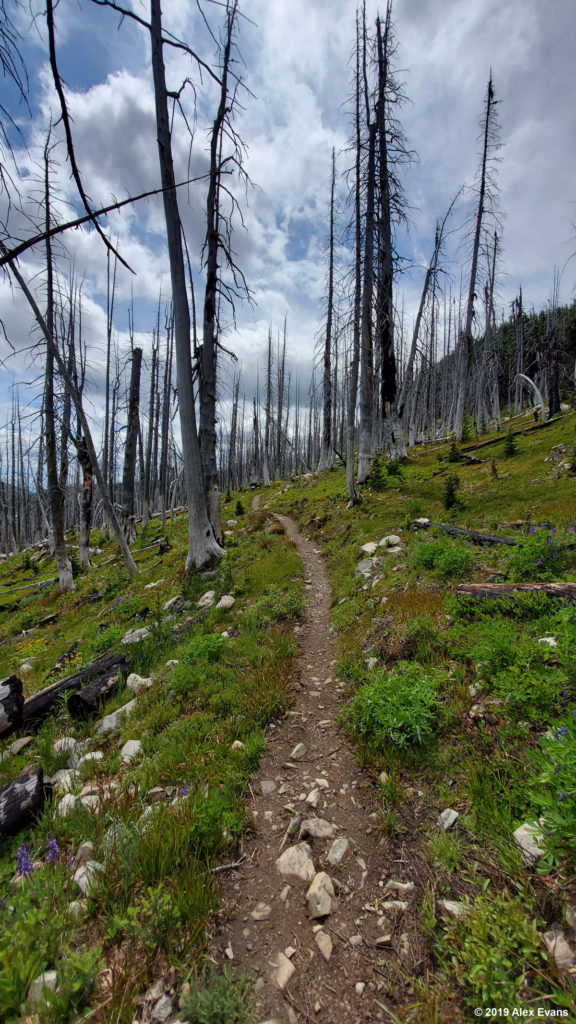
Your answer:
<point x="267" y="923"/>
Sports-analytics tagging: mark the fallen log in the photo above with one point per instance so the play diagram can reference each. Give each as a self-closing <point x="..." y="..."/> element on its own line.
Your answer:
<point x="513" y="433"/>
<point x="40" y="704"/>
<point x="20" y="799"/>
<point x="459" y="531"/>
<point x="87" y="701"/>
<point x="496" y="590"/>
<point x="11" y="704"/>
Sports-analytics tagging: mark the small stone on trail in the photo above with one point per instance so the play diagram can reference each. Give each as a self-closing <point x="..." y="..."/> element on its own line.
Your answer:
<point x="355" y="940"/>
<point x="298" y="753"/>
<point x="394" y="906"/>
<point x="313" y="797"/>
<point x="229" y="952"/>
<point x="261" y="912"/>
<point x="337" y="851"/>
<point x="383" y="940"/>
<point x="402" y="887"/>
<point x="317" y="828"/>
<point x="319" y="896"/>
<point x="267" y="786"/>
<point x="453" y="908"/>
<point x="296" y="863"/>
<point x="289" y="952"/>
<point x="285" y="893"/>
<point x="447" y="818"/>
<point x="324" y="943"/>
<point x="284" y="971"/>
<point x="359" y="987"/>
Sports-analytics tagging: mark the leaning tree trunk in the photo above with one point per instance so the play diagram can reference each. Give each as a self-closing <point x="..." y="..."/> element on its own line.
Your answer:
<point x="201" y="540"/>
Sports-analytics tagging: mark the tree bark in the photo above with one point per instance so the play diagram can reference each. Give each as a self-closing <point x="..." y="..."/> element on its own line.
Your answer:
<point x="11" y="705"/>
<point x="20" y="799"/>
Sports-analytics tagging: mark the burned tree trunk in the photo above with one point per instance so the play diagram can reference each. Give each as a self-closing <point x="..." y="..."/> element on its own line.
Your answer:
<point x="129" y="473"/>
<point x="20" y="799"/>
<point x="11" y="705"/>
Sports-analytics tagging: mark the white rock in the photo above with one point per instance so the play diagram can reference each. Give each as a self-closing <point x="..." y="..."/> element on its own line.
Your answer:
<point x="66" y="805"/>
<point x="531" y="842"/>
<point x="296" y="863"/>
<point x="551" y="641"/>
<point x="92" y="757"/>
<point x="46" y="981"/>
<point x="238" y="745"/>
<point x="284" y="971"/>
<point x="92" y="801"/>
<point x="172" y="663"/>
<point x="359" y="987"/>
<point x="392" y="541"/>
<point x="313" y="797"/>
<point x="86" y="877"/>
<point x="320" y="895"/>
<point x="394" y="906"/>
<point x="84" y="853"/>
<point x="171" y="603"/>
<point x="317" y="828"/>
<point x="261" y="912"/>
<point x="227" y="601"/>
<point x="337" y="851"/>
<point x="564" y="954"/>
<point x="162" y="1009"/>
<point x="207" y="599"/>
<point x="267" y="786"/>
<point x="299" y="752"/>
<point x="64" y="780"/>
<point x="65" y="743"/>
<point x="137" y="683"/>
<point x="453" y="908"/>
<point x="447" y="818"/>
<point x="371" y="663"/>
<point x="369" y="549"/>
<point x="404" y="888"/>
<point x="154" y="585"/>
<point x="25" y="668"/>
<point x="77" y="909"/>
<point x="231" y="522"/>
<point x="130" y="750"/>
<point x="366" y="567"/>
<point x="134" y="636"/>
<point x="324" y="943"/>
<point x="114" y="720"/>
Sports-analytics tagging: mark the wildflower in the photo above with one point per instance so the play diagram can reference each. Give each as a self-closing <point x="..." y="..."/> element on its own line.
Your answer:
<point x="549" y="541"/>
<point x="557" y="768"/>
<point x="53" y="851"/>
<point x="532" y="529"/>
<point x="565" y="697"/>
<point x="540" y="561"/>
<point x="561" y="733"/>
<point x="24" y="860"/>
<point x="562" y="797"/>
<point x="184" y="789"/>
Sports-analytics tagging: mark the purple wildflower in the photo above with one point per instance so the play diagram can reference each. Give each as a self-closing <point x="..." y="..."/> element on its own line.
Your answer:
<point x="53" y="851"/>
<point x="119" y="601"/>
<point x="184" y="789"/>
<point x="561" y="733"/>
<point x="532" y="529"/>
<point x="557" y="768"/>
<point x="24" y="860"/>
<point x="562" y="797"/>
<point x="565" y="697"/>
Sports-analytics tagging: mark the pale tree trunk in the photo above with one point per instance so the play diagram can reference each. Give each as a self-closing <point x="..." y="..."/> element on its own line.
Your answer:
<point x="353" y="492"/>
<point x="326" y="450"/>
<point x="267" y="415"/>
<point x="129" y="473"/>
<point x="201" y="540"/>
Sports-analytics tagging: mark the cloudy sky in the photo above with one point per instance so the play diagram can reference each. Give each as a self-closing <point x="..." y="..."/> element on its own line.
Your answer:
<point x="296" y="67"/>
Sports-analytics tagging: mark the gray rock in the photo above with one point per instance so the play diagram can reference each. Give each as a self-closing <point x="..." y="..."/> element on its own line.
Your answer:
<point x="558" y="946"/>
<point x="77" y="909"/>
<point x="134" y="636"/>
<point x="225" y="602"/>
<point x="394" y="906"/>
<point x="531" y="842"/>
<point x="324" y="943"/>
<point x="66" y="805"/>
<point x="172" y="604"/>
<point x="403" y="888"/>
<point x="300" y="751"/>
<point x="86" y="877"/>
<point x="313" y="797"/>
<point x="317" y="828"/>
<point x="365" y="567"/>
<point x="84" y="853"/>
<point x="156" y="795"/>
<point x="92" y="757"/>
<point x="137" y="683"/>
<point x="267" y="786"/>
<point x="130" y="750"/>
<point x="207" y="599"/>
<point x="296" y="863"/>
<point x="369" y="549"/>
<point x="371" y="663"/>
<point x="48" y="981"/>
<point x="114" y="720"/>
<point x="231" y="522"/>
<point x="283" y="972"/>
<point x="171" y="663"/>
<point x="261" y="912"/>
<point x="448" y="818"/>
<point x="320" y="895"/>
<point x="238" y="745"/>
<point x="162" y="1009"/>
<point x="391" y="541"/>
<point x="64" y="780"/>
<point x="337" y="851"/>
<point x="453" y="908"/>
<point x="65" y="743"/>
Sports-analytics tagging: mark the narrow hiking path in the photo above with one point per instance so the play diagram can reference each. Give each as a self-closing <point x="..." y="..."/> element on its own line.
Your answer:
<point x="345" y="966"/>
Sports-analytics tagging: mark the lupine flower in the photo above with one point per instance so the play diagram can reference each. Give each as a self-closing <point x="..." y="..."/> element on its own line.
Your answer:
<point x="184" y="789"/>
<point x="562" y="797"/>
<point x="557" y="769"/>
<point x="24" y="860"/>
<point x="561" y="733"/>
<point x="565" y="697"/>
<point x="532" y="529"/>
<point x="53" y="851"/>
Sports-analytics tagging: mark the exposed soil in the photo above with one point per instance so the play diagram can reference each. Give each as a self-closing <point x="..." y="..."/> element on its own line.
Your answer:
<point x="376" y="949"/>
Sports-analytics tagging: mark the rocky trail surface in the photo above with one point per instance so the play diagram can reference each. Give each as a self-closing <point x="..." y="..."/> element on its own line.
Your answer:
<point x="319" y="910"/>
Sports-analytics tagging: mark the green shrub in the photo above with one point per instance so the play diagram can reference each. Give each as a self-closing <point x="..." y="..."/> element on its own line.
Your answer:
<point x="398" y="708"/>
<point x="221" y="999"/>
<point x="422" y="639"/>
<point x="276" y="605"/>
<point x="494" y="951"/>
<point x="510" y="445"/>
<point x="454" y="453"/>
<point x="541" y="557"/>
<point x="554" y="792"/>
<point x="450" y="496"/>
<point x="376" y="478"/>
<point x="239" y="509"/>
<point x="447" y="559"/>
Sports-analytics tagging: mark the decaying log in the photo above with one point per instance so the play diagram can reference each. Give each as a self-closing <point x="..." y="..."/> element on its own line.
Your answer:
<point x="11" y="704"/>
<point x="38" y="706"/>
<point x="513" y="433"/>
<point x="496" y="590"/>
<point x="20" y="799"/>
<point x="86" y="702"/>
<point x="459" y="531"/>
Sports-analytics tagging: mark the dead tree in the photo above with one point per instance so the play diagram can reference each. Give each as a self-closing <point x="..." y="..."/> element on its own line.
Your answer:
<point x="128" y="475"/>
<point x="326" y="450"/>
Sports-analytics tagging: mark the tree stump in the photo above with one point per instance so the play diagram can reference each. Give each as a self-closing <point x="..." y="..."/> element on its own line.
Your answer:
<point x="11" y="705"/>
<point x="20" y="799"/>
